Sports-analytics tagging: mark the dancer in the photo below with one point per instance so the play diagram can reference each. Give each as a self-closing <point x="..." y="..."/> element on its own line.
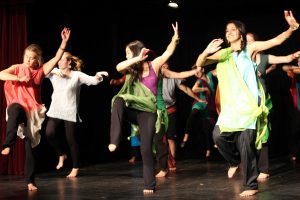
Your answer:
<point x="66" y="82"/>
<point x="205" y="88"/>
<point x="163" y="155"/>
<point x="169" y="86"/>
<point x="136" y="101"/>
<point x="25" y="111"/>
<point x="294" y="139"/>
<point x="243" y="112"/>
<point x="262" y="61"/>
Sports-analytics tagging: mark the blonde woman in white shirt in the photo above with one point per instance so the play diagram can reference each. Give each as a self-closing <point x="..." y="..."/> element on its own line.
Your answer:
<point x="66" y="82"/>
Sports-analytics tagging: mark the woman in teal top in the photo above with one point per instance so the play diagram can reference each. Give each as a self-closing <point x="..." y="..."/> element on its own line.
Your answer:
<point x="242" y="120"/>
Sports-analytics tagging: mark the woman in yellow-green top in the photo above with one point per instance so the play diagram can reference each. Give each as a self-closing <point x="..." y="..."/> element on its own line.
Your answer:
<point x="242" y="120"/>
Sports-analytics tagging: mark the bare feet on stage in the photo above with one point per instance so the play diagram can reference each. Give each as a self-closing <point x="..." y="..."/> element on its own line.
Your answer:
<point x="161" y="174"/>
<point x="5" y="151"/>
<point x="147" y="192"/>
<point x="231" y="171"/>
<point x="112" y="147"/>
<point x="73" y="173"/>
<point x="248" y="193"/>
<point x="31" y="187"/>
<point x="263" y="177"/>
<point x="132" y="160"/>
<point x="61" y="160"/>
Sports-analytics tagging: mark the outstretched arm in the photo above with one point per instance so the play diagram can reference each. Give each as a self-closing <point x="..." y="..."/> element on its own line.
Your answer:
<point x="48" y="66"/>
<point x="291" y="68"/>
<point x="184" y="74"/>
<point x="258" y="46"/>
<point x="189" y="92"/>
<point x="283" y="59"/>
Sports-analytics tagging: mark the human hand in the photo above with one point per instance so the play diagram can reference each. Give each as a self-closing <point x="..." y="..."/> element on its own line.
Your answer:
<point x="24" y="79"/>
<point x="101" y="73"/>
<point x="176" y="32"/>
<point x="65" y="34"/>
<point x="214" y="46"/>
<point x="143" y="54"/>
<point x="296" y="55"/>
<point x="294" y="25"/>
<point x="202" y="100"/>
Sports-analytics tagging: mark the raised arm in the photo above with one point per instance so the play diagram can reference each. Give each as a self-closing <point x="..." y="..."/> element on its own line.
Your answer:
<point x="212" y="48"/>
<point x="160" y="60"/>
<point x="48" y="66"/>
<point x="258" y="46"/>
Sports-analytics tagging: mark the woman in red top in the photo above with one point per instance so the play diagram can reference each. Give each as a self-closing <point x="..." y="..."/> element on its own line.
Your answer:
<point x="25" y="111"/>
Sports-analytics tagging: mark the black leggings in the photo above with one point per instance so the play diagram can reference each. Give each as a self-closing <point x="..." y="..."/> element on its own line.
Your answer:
<point x="146" y="122"/>
<point x="17" y="115"/>
<point x="53" y="138"/>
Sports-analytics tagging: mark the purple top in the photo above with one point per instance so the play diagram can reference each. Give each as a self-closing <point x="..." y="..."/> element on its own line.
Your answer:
<point x="151" y="80"/>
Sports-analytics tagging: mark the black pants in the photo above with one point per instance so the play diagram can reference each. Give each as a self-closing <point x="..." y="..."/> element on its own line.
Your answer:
<point x="197" y="118"/>
<point x="53" y="138"/>
<point x="16" y="116"/>
<point x="146" y="122"/>
<point x="239" y="147"/>
<point x="161" y="147"/>
<point x="263" y="159"/>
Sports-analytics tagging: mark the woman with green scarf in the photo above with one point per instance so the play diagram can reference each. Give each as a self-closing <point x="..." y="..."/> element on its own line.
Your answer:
<point x="243" y="117"/>
<point x="136" y="101"/>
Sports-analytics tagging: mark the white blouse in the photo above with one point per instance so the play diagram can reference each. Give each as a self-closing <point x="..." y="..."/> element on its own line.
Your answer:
<point x="66" y="94"/>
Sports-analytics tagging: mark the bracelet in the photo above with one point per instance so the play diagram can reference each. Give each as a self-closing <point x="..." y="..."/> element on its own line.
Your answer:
<point x="62" y="48"/>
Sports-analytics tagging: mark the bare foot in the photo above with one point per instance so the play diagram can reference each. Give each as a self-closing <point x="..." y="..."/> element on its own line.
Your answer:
<point x="132" y="160"/>
<point x="31" y="187"/>
<point x="262" y="177"/>
<point x="172" y="169"/>
<point x="73" y="173"/>
<point x="161" y="174"/>
<point x="231" y="171"/>
<point x="207" y="153"/>
<point x="148" y="191"/>
<point x="112" y="147"/>
<point x="248" y="193"/>
<point x="293" y="158"/>
<point x="5" y="151"/>
<point x="61" y="160"/>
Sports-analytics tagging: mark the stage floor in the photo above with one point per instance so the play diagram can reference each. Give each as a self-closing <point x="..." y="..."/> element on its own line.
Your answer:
<point x="194" y="179"/>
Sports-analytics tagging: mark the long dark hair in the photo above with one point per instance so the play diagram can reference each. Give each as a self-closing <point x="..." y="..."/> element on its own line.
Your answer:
<point x="242" y="29"/>
<point x="136" y="70"/>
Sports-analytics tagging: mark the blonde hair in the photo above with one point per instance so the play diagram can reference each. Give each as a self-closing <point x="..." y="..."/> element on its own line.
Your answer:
<point x="37" y="50"/>
<point x="76" y="63"/>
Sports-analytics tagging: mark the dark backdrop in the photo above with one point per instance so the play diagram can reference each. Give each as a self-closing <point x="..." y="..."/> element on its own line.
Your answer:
<point x="101" y="30"/>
